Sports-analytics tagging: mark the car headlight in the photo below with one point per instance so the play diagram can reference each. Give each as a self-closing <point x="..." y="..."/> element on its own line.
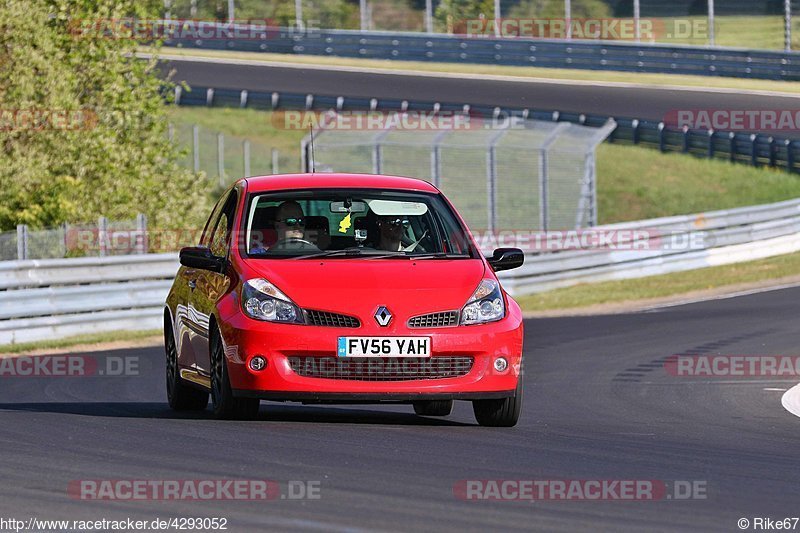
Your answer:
<point x="486" y="304"/>
<point x="264" y="301"/>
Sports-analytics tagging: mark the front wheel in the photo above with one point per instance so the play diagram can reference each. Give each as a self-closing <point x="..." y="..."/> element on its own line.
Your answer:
<point x="226" y="406"/>
<point x="503" y="413"/>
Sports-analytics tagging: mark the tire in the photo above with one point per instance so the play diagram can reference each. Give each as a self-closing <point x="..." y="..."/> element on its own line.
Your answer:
<point x="225" y="405"/>
<point x="433" y="407"/>
<point x="180" y="395"/>
<point x="502" y="413"/>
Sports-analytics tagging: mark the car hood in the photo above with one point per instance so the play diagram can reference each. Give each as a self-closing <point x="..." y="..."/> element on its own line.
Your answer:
<point x="358" y="286"/>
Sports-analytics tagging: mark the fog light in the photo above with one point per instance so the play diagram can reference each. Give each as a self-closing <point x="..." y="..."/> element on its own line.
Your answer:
<point x="500" y="364"/>
<point x="259" y="363"/>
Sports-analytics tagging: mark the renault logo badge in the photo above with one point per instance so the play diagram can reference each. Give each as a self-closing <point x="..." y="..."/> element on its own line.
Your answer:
<point x="383" y="316"/>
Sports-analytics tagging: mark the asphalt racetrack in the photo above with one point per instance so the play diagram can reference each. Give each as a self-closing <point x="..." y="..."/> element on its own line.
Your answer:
<point x="599" y="405"/>
<point x="634" y="102"/>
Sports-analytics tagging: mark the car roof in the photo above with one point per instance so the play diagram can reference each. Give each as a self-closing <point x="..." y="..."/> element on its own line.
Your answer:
<point x="336" y="181"/>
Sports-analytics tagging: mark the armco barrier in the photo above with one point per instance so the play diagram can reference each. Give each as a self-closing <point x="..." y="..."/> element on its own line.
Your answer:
<point x="592" y="55"/>
<point x="55" y="298"/>
<point x="738" y="147"/>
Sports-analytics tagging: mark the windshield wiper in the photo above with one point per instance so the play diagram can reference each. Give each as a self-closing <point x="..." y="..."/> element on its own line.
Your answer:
<point x="351" y="252"/>
<point x="439" y="255"/>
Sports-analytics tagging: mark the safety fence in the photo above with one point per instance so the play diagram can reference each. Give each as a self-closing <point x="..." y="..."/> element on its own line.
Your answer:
<point x="548" y="53"/>
<point x="74" y="240"/>
<point x="56" y="298"/>
<point x="755" y="149"/>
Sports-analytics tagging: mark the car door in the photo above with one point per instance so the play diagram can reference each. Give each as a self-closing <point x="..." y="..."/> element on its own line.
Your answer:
<point x="187" y="327"/>
<point x="210" y="286"/>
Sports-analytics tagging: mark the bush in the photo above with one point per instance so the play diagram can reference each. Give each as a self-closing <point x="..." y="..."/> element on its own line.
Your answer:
<point x="581" y="9"/>
<point x="120" y="161"/>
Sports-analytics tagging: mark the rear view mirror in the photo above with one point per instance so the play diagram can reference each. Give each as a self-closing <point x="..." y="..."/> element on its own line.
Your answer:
<point x="202" y="258"/>
<point x="506" y="259"/>
<point x="354" y="207"/>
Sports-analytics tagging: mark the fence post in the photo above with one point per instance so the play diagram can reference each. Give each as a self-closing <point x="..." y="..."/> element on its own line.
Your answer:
<point x="733" y="146"/>
<point x="787" y="9"/>
<point x="102" y="236"/>
<point x="662" y="137"/>
<point x="275" y="169"/>
<point x="711" y="144"/>
<point x="429" y="16"/>
<point x="22" y="242"/>
<point x="568" y="18"/>
<point x="686" y="139"/>
<point x="789" y="155"/>
<point x="246" y="155"/>
<point x="196" y="148"/>
<point x="65" y="241"/>
<point x="635" y="125"/>
<point x="141" y="230"/>
<point x="711" y="20"/>
<point x="221" y="158"/>
<point x="772" y="151"/>
<point x="754" y="149"/>
<point x="543" y="208"/>
<point x="491" y="187"/>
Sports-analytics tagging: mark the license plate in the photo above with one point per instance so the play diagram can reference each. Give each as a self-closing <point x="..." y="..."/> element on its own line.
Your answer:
<point x="384" y="347"/>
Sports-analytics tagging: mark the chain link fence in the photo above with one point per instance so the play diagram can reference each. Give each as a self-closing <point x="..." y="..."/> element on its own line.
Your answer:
<point x="508" y="175"/>
<point x="226" y="158"/>
<point x="101" y="238"/>
<point x="757" y="24"/>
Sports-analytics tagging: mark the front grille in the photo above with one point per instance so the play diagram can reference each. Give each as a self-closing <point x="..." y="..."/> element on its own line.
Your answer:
<point x="331" y="320"/>
<point x="382" y="369"/>
<point x="434" y="320"/>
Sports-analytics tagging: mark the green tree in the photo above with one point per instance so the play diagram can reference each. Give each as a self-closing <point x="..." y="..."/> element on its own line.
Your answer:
<point x="119" y="161"/>
<point x="586" y="9"/>
<point x="452" y="15"/>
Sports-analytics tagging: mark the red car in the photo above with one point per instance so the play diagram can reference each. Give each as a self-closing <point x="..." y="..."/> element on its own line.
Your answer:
<point x="342" y="288"/>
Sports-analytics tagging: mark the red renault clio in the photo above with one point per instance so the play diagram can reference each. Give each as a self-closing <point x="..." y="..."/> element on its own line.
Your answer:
<point x="342" y="288"/>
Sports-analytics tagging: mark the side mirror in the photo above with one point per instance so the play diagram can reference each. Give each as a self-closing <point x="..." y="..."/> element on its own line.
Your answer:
<point x="506" y="259"/>
<point x="202" y="258"/>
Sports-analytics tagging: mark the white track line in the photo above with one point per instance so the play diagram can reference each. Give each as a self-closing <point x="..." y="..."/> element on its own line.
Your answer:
<point x="462" y="76"/>
<point x="791" y="400"/>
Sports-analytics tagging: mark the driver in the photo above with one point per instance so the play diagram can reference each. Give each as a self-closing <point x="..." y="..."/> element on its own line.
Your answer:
<point x="290" y="226"/>
<point x="391" y="230"/>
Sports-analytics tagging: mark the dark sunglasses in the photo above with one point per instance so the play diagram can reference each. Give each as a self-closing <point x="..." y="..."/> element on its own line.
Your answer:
<point x="396" y="222"/>
<point x="291" y="222"/>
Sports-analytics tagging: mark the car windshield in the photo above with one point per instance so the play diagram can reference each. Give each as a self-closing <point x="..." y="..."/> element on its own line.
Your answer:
<point x="352" y="223"/>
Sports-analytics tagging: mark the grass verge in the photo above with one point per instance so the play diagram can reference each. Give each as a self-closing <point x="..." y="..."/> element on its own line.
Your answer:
<point x="79" y="340"/>
<point x="654" y="80"/>
<point x="654" y="287"/>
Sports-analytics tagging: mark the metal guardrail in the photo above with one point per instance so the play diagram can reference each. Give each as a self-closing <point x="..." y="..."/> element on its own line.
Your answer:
<point x="591" y="55"/>
<point x="55" y="298"/>
<point x="739" y="147"/>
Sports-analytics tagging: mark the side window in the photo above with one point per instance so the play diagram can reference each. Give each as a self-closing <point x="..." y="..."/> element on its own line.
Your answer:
<point x="220" y="237"/>
<point x="205" y="238"/>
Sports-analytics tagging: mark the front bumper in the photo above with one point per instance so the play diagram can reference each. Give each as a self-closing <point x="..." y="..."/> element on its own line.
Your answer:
<point x="245" y="338"/>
